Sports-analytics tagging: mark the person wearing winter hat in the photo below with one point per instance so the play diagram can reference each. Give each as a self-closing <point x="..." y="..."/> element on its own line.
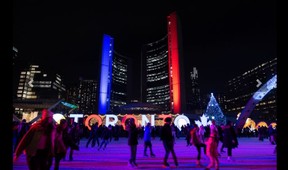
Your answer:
<point x="38" y="143"/>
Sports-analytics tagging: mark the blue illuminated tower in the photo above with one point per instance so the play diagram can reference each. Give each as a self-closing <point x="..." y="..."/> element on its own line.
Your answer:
<point x="213" y="111"/>
<point x="106" y="74"/>
<point x="113" y="78"/>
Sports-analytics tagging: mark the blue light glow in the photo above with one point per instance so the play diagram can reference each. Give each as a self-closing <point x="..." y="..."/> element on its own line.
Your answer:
<point x="106" y="74"/>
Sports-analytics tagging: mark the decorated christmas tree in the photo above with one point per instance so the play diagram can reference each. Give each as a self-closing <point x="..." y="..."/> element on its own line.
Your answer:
<point x="213" y="111"/>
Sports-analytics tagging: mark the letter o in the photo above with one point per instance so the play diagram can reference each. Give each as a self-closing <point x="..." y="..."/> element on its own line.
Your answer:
<point x="127" y="117"/>
<point x="90" y="117"/>
<point x="179" y="121"/>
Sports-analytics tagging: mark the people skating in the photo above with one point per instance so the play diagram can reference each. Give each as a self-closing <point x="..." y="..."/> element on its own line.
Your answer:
<point x="68" y="140"/>
<point x="15" y="135"/>
<point x="133" y="133"/>
<point x="60" y="147"/>
<point x="197" y="139"/>
<point x="271" y="134"/>
<point x="230" y="140"/>
<point x="202" y="133"/>
<point x="174" y="133"/>
<point x="93" y="135"/>
<point x="168" y="142"/>
<point x="116" y="132"/>
<point x="153" y="132"/>
<point x="261" y="133"/>
<point x="220" y="131"/>
<point x="117" y="157"/>
<point x="212" y="147"/>
<point x="187" y="132"/>
<point x="106" y="135"/>
<point x="275" y="139"/>
<point x="147" y="140"/>
<point x="75" y="136"/>
<point x="23" y="127"/>
<point x="38" y="143"/>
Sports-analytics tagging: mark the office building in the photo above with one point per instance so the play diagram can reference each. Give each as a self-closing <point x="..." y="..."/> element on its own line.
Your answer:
<point x="87" y="96"/>
<point x="119" y="82"/>
<point x="113" y="78"/>
<point x="194" y="101"/>
<point x="162" y="70"/>
<point x="241" y="88"/>
<point x="156" y="77"/>
<point x="37" y="89"/>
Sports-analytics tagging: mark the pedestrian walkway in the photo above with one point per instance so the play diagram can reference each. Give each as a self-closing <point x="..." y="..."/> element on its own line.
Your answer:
<point x="251" y="154"/>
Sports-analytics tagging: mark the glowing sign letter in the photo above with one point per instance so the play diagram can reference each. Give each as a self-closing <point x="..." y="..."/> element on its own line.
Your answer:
<point x="127" y="117"/>
<point x="145" y="120"/>
<point x="108" y="118"/>
<point x="76" y="116"/>
<point x="99" y="120"/>
<point x="181" y="120"/>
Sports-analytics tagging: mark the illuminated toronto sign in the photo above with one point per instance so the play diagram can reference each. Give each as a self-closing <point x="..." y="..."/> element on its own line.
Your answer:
<point x="112" y="120"/>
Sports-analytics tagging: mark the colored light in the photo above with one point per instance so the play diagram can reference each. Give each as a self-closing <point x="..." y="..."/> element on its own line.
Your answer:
<point x="106" y="74"/>
<point x="255" y="99"/>
<point x="173" y="60"/>
<point x="72" y="106"/>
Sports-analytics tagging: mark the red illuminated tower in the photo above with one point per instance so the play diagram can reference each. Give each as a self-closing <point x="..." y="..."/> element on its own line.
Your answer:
<point x="176" y="78"/>
<point x="163" y="79"/>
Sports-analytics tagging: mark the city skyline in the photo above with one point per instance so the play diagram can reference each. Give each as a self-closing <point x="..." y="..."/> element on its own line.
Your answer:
<point x="222" y="40"/>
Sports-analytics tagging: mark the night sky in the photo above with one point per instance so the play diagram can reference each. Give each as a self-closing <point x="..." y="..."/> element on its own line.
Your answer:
<point x="223" y="39"/>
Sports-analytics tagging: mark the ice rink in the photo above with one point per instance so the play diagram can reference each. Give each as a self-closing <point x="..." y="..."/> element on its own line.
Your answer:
<point x="251" y="154"/>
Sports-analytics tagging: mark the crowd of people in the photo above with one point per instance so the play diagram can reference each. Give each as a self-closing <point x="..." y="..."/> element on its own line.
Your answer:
<point x="46" y="141"/>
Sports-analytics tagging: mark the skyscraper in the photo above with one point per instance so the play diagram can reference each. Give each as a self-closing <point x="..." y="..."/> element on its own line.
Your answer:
<point x="37" y="89"/>
<point x="119" y="81"/>
<point x="113" y="78"/>
<point x="87" y="96"/>
<point x="155" y="73"/>
<point x="163" y="74"/>
<point x="38" y="84"/>
<point x="194" y="103"/>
